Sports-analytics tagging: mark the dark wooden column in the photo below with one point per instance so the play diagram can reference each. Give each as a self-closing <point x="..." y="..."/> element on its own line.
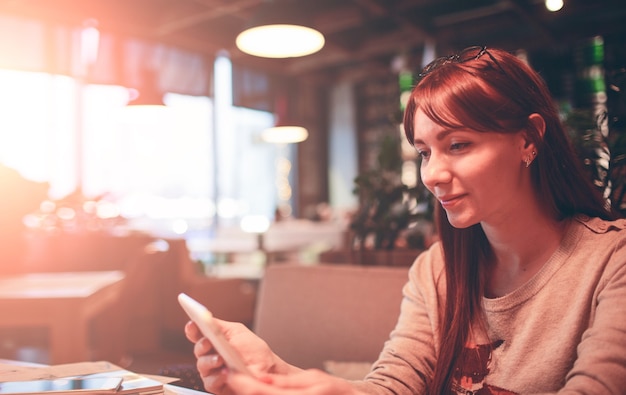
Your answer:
<point x="311" y="183"/>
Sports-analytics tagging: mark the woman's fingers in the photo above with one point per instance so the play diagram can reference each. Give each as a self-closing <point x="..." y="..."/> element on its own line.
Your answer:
<point x="243" y="384"/>
<point x="210" y="366"/>
<point x="203" y="347"/>
<point x="192" y="332"/>
<point x="209" y="363"/>
<point x="310" y="379"/>
<point x="213" y="372"/>
<point x="216" y="382"/>
<point x="313" y="382"/>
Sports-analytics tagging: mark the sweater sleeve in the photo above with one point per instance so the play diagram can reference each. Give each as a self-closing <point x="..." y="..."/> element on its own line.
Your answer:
<point x="407" y="360"/>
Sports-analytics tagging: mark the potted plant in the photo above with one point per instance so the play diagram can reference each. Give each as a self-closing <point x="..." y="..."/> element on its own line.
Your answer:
<point x="389" y="218"/>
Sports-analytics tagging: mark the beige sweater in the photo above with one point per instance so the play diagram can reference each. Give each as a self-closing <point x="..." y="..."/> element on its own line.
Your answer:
<point x="563" y="331"/>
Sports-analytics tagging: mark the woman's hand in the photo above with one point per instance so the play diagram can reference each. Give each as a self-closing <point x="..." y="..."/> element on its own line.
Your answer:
<point x="255" y="353"/>
<point x="305" y="382"/>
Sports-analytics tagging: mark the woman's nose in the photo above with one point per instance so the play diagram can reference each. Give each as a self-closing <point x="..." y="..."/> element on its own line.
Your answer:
<point x="434" y="172"/>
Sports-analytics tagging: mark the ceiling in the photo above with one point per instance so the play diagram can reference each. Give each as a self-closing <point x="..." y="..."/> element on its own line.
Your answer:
<point x="362" y="36"/>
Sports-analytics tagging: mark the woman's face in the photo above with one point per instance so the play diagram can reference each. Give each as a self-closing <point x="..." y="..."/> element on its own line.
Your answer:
<point x="477" y="176"/>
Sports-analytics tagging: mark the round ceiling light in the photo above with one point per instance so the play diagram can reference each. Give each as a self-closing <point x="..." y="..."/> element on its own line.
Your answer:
<point x="554" y="5"/>
<point x="280" y="41"/>
<point x="284" y="134"/>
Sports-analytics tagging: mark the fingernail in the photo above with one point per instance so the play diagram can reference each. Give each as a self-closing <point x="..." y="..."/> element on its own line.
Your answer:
<point x="214" y="359"/>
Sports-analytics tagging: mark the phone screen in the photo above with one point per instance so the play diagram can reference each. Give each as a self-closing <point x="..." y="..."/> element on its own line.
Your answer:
<point x="62" y="386"/>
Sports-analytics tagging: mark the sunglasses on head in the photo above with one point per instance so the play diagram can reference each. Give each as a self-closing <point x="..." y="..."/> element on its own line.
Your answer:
<point x="466" y="55"/>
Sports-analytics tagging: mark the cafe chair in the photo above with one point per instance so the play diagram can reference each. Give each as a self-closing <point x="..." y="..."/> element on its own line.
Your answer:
<point x="329" y="315"/>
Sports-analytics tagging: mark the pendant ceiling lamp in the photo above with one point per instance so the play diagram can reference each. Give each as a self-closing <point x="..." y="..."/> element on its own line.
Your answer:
<point x="554" y="5"/>
<point x="284" y="134"/>
<point x="279" y="30"/>
<point x="148" y="92"/>
<point x="285" y="131"/>
<point x="145" y="104"/>
<point x="144" y="98"/>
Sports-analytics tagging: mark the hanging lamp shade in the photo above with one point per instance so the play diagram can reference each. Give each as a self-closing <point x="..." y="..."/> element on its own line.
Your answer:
<point x="285" y="130"/>
<point x="145" y="104"/>
<point x="279" y="30"/>
<point x="147" y="93"/>
<point x="284" y="134"/>
<point x="144" y="98"/>
<point x="553" y="5"/>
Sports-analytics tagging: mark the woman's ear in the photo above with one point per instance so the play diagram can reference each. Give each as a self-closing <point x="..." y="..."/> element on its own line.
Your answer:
<point x="536" y="130"/>
<point x="537" y="122"/>
<point x="534" y="133"/>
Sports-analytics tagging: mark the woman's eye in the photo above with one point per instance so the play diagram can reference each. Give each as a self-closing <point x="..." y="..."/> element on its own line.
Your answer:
<point x="458" y="146"/>
<point x="423" y="154"/>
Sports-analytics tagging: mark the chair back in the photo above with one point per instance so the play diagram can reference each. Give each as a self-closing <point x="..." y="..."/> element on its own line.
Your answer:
<point x="310" y="314"/>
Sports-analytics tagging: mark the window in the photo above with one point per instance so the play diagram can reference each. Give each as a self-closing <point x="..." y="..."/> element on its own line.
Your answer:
<point x="164" y="169"/>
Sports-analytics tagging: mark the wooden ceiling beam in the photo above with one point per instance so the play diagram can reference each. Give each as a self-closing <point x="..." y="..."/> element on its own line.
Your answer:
<point x="213" y="10"/>
<point x="376" y="8"/>
<point x="390" y="44"/>
<point x="532" y="20"/>
<point x="342" y="18"/>
<point x="409" y="36"/>
<point x="519" y="23"/>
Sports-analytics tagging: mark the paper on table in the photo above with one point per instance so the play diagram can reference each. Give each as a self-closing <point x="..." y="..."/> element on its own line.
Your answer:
<point x="134" y="383"/>
<point x="14" y="372"/>
<point x="10" y="372"/>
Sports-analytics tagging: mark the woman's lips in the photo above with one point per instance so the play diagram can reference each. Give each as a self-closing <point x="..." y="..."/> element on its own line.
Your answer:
<point x="449" y="201"/>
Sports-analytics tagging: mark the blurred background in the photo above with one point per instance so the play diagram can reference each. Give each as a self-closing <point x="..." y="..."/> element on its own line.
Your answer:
<point x="70" y="69"/>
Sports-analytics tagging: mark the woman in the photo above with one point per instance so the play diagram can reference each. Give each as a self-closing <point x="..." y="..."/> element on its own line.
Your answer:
<point x="526" y="291"/>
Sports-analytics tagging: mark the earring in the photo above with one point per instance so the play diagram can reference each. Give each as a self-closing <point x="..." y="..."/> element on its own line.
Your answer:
<point x="529" y="159"/>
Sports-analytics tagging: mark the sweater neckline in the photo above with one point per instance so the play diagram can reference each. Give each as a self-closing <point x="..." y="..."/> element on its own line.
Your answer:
<point x="571" y="236"/>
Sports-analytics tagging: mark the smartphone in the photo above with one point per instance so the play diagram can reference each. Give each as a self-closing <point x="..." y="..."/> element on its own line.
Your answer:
<point x="63" y="386"/>
<point x="209" y="328"/>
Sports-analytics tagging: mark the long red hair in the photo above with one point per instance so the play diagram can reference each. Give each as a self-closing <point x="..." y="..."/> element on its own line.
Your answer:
<point x="494" y="92"/>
